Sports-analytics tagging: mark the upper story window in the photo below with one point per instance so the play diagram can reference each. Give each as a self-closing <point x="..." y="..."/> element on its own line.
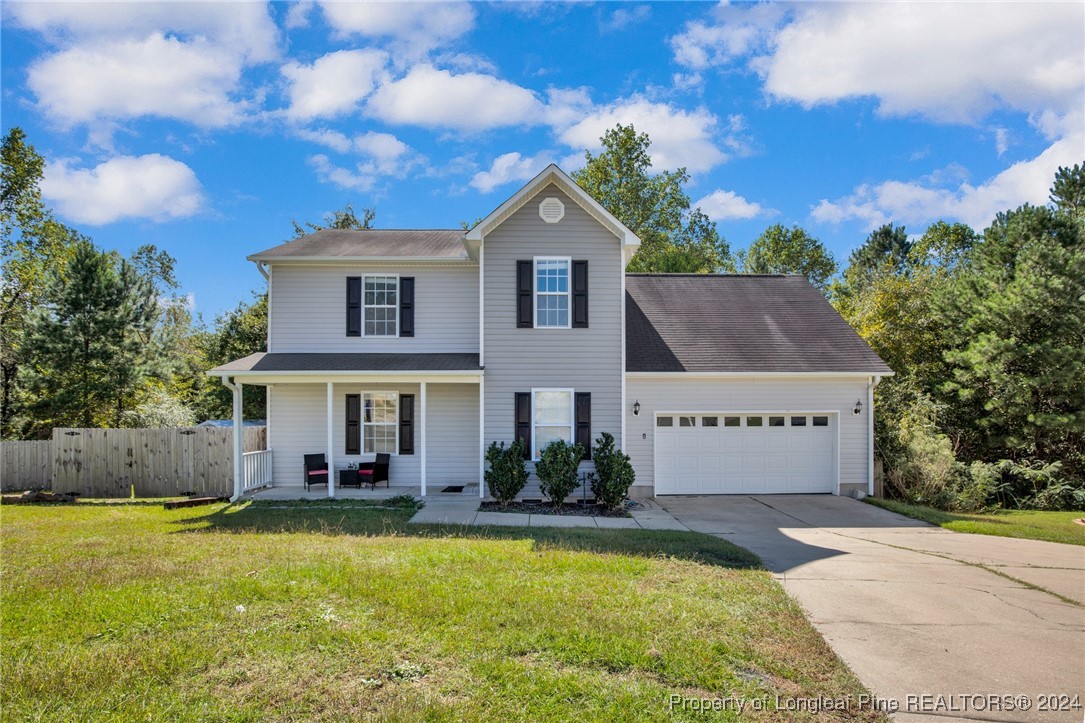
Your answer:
<point x="552" y="293"/>
<point x="381" y="307"/>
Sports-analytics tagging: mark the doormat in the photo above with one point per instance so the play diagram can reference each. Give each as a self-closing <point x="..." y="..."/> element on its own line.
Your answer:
<point x="453" y="488"/>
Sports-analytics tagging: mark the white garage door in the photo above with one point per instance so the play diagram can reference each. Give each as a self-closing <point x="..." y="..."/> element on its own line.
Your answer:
<point x="747" y="453"/>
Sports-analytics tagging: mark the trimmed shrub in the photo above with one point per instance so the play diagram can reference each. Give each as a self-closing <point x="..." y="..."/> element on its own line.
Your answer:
<point x="557" y="468"/>
<point x="613" y="473"/>
<point x="507" y="474"/>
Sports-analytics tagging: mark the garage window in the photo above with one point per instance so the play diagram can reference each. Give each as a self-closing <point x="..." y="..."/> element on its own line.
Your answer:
<point x="754" y="421"/>
<point x="776" y="421"/>
<point x="710" y="421"/>
<point x="687" y="421"/>
<point x="821" y="421"/>
<point x="732" y="421"/>
<point x="798" y="421"/>
<point x="664" y="421"/>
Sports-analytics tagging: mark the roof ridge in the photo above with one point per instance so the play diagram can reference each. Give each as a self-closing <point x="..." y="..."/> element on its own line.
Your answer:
<point x="713" y="276"/>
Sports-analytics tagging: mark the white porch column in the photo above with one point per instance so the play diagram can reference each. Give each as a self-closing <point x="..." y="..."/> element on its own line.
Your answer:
<point x="331" y="441"/>
<point x="422" y="434"/>
<point x="482" y="438"/>
<point x="239" y="437"/>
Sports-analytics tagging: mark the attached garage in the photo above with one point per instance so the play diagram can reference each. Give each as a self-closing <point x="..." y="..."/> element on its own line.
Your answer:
<point x="745" y="453"/>
<point x="745" y="384"/>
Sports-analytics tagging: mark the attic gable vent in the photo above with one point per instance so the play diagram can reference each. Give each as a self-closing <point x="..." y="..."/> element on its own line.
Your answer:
<point x="552" y="210"/>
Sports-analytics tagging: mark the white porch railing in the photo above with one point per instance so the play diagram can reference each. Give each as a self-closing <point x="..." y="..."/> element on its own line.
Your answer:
<point x="256" y="470"/>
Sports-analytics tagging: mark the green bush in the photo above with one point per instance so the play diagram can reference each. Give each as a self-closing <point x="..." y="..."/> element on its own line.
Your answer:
<point x="613" y="473"/>
<point x="921" y="466"/>
<point x="557" y="468"/>
<point x="507" y="474"/>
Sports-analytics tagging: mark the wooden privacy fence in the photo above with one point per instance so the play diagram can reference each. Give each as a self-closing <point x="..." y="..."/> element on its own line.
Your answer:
<point x="26" y="465"/>
<point x="153" y="462"/>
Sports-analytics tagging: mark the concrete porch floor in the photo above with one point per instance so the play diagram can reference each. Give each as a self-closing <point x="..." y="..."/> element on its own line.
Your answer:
<point x="353" y="493"/>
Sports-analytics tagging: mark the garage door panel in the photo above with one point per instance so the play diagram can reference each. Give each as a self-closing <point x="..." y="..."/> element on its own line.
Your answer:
<point x="723" y="459"/>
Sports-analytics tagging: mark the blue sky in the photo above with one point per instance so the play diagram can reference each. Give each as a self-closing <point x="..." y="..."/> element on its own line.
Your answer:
<point x="204" y="128"/>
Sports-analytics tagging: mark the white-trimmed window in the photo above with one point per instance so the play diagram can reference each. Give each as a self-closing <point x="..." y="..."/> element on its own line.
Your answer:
<point x="380" y="417"/>
<point x="552" y="292"/>
<point x="551" y="418"/>
<point x="380" y="304"/>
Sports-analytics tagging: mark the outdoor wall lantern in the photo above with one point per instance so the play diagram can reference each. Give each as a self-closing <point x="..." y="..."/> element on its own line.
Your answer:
<point x="858" y="407"/>
<point x="636" y="408"/>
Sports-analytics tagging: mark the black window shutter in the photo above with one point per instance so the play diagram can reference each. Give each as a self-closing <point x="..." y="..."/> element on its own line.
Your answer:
<point x="583" y="422"/>
<point x="406" y="306"/>
<point x="523" y="421"/>
<point x="406" y="424"/>
<point x="524" y="294"/>
<point x="354" y="306"/>
<point x="580" y="294"/>
<point x="354" y="421"/>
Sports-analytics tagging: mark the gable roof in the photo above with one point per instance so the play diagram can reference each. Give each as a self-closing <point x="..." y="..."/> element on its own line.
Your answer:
<point x="551" y="174"/>
<point x="738" y="323"/>
<point x="370" y="244"/>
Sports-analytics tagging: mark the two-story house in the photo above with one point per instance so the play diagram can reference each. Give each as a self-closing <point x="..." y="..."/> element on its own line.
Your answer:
<point x="431" y="344"/>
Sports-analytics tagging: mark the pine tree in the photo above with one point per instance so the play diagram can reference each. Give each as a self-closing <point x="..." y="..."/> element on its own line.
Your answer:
<point x="88" y="347"/>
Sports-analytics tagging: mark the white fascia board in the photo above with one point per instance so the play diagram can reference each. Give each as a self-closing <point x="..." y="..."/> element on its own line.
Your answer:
<point x="747" y="375"/>
<point x="552" y="174"/>
<point x="316" y="377"/>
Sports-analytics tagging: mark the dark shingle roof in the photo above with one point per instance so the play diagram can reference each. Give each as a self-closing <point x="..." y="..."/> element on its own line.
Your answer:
<point x="371" y="243"/>
<point x="738" y="323"/>
<point x="264" y="362"/>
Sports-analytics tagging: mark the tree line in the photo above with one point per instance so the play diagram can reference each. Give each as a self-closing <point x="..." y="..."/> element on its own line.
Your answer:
<point x="985" y="330"/>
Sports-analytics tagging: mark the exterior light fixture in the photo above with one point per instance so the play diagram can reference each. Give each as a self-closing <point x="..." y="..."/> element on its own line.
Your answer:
<point x="858" y="407"/>
<point x="636" y="408"/>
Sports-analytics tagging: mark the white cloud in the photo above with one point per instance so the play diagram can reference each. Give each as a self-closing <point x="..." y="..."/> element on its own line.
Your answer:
<point x="415" y="27"/>
<point x="734" y="31"/>
<point x="116" y="61"/>
<point x="246" y="28"/>
<point x="381" y="155"/>
<point x="297" y="15"/>
<point x="723" y="205"/>
<point x="622" y="18"/>
<point x="154" y="76"/>
<point x="152" y="186"/>
<point x="950" y="62"/>
<point x="434" y="98"/>
<point x="334" y="84"/>
<point x="921" y="202"/>
<point x="679" y="137"/>
<point x="1002" y="140"/>
<point x="510" y="167"/>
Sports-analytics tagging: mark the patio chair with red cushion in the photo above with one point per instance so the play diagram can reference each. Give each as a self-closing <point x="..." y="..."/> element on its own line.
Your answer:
<point x="316" y="470"/>
<point x="370" y="473"/>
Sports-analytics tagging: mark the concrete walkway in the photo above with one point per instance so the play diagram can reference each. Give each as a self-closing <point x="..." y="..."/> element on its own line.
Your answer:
<point x="915" y="609"/>
<point x="457" y="510"/>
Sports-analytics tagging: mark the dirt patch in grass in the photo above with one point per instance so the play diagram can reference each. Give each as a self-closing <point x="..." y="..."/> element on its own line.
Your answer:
<point x="546" y="508"/>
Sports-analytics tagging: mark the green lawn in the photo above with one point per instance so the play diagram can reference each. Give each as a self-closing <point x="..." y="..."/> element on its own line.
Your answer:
<point x="343" y="612"/>
<point x="1028" y="524"/>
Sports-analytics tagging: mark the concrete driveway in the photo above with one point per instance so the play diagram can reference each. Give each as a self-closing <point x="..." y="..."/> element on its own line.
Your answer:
<point x="914" y="609"/>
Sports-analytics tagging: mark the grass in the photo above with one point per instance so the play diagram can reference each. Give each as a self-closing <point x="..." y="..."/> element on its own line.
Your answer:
<point x="336" y="612"/>
<point x="1026" y="524"/>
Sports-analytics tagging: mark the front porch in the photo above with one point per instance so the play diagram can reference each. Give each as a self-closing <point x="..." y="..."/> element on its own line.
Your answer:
<point x="422" y="410"/>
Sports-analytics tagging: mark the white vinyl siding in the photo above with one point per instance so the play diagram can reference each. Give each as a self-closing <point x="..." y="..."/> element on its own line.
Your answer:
<point x="521" y="359"/>
<point x="763" y="397"/>
<point x="309" y="314"/>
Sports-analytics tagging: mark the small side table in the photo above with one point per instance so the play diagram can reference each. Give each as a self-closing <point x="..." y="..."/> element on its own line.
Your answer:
<point x="349" y="478"/>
